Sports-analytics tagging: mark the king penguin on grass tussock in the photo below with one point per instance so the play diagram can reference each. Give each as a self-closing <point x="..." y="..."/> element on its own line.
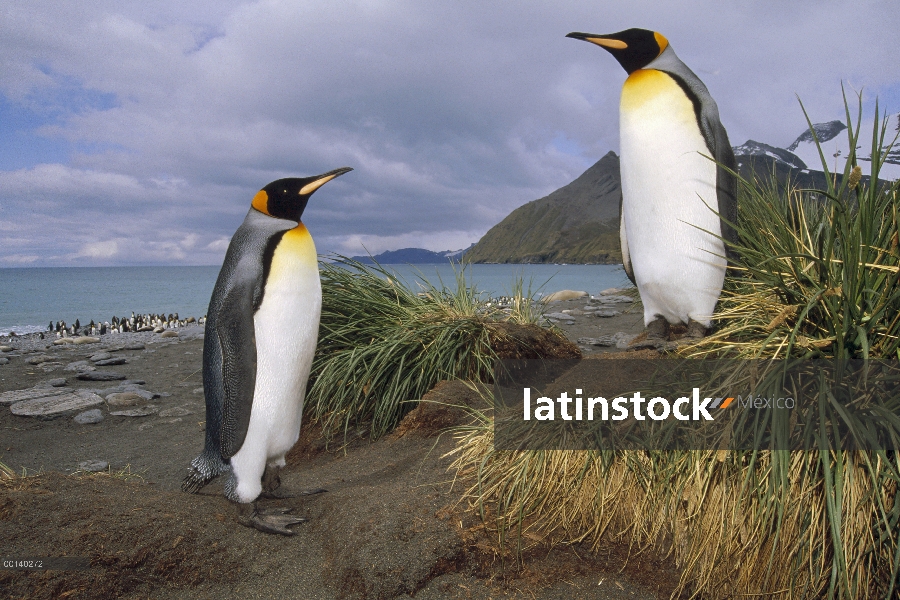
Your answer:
<point x="261" y="331"/>
<point x="679" y="193"/>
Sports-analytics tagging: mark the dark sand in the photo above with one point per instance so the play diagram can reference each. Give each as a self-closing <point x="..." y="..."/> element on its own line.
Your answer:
<point x="390" y="526"/>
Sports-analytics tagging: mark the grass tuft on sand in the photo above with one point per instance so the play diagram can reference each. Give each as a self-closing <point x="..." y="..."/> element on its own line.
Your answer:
<point x="383" y="345"/>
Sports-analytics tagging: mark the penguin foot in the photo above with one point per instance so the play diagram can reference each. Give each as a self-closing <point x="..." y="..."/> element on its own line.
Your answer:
<point x="270" y="520"/>
<point x="657" y="335"/>
<point x="695" y="330"/>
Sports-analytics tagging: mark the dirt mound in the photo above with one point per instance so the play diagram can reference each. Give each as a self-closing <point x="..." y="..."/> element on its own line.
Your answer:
<point x="511" y="341"/>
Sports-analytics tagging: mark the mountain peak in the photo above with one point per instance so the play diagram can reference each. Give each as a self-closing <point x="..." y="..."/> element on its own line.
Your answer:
<point x="824" y="132"/>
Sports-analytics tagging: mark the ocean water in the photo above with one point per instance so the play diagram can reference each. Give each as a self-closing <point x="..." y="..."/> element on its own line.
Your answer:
<point x="30" y="298"/>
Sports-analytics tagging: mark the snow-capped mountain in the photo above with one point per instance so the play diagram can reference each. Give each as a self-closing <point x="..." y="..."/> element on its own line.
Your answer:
<point x="802" y="153"/>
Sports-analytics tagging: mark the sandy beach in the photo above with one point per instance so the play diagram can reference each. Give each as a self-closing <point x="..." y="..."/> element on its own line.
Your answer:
<point x="390" y="526"/>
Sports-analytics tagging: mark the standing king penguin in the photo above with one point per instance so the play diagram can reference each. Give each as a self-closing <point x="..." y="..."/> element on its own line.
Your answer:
<point x="261" y="331"/>
<point x="672" y="238"/>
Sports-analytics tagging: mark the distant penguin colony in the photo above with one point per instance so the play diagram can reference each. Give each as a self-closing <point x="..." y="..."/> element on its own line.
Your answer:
<point x="671" y="236"/>
<point x="156" y="323"/>
<point x="261" y="333"/>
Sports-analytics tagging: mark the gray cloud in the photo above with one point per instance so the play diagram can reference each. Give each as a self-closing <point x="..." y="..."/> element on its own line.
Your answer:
<point x="451" y="115"/>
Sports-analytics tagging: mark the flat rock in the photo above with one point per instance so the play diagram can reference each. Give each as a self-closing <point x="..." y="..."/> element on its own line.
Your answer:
<point x="89" y="417"/>
<point x="50" y="366"/>
<point x="175" y="411"/>
<point x="607" y="313"/>
<point x="28" y="394"/>
<point x="624" y="339"/>
<point x="563" y="295"/>
<point x="111" y="361"/>
<point x="100" y="376"/>
<point x="3" y="360"/>
<point x="56" y="405"/>
<point x="40" y="358"/>
<point x="93" y="466"/>
<point x="80" y="366"/>
<point x="52" y="383"/>
<point x="137" y="412"/>
<point x="561" y="316"/>
<point x="123" y="399"/>
<point x="614" y="299"/>
<point x="603" y="341"/>
<point x="100" y="356"/>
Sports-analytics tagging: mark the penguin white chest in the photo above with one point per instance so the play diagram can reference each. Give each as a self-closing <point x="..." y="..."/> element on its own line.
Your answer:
<point x="286" y="327"/>
<point x="669" y="201"/>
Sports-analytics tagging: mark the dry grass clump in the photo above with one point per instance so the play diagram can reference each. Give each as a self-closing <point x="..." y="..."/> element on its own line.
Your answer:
<point x="819" y="277"/>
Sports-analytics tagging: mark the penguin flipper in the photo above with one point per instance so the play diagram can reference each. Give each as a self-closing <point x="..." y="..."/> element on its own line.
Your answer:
<point x="623" y="242"/>
<point x="236" y="335"/>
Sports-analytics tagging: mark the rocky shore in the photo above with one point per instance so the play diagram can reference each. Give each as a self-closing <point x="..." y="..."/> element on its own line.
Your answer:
<point x="105" y="430"/>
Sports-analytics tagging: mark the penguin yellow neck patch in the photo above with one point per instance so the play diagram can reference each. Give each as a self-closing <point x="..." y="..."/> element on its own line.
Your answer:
<point x="661" y="41"/>
<point x="261" y="202"/>
<point x="647" y="84"/>
<point x="296" y="246"/>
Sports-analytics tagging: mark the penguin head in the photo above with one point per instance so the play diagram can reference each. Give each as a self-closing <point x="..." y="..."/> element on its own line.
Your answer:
<point x="633" y="48"/>
<point x="287" y="198"/>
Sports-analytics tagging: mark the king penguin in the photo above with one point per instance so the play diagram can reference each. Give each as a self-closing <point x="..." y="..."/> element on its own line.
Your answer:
<point x="261" y="331"/>
<point x="677" y="205"/>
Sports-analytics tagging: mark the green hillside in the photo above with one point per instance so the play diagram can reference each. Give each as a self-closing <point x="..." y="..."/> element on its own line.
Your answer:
<point x="578" y="223"/>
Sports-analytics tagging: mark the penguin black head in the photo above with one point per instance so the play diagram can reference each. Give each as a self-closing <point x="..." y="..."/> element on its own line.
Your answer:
<point x="633" y="48"/>
<point x="287" y="198"/>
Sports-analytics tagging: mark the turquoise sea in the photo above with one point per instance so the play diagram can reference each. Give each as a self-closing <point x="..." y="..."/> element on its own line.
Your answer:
<point x="30" y="298"/>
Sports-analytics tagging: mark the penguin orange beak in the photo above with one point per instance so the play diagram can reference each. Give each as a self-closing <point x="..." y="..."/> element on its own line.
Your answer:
<point x="600" y="40"/>
<point x="322" y="179"/>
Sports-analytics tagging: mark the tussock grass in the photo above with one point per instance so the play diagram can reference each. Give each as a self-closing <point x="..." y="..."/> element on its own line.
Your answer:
<point x="818" y="277"/>
<point x="382" y="344"/>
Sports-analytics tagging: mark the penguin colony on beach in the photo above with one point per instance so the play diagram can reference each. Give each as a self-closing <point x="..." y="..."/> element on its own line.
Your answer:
<point x="671" y="234"/>
<point x="261" y="331"/>
<point x="156" y="323"/>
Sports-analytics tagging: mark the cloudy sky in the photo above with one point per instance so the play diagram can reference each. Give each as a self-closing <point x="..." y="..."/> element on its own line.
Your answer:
<point x="138" y="132"/>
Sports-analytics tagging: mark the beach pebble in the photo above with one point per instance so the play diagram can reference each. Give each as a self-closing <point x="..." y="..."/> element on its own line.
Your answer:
<point x="123" y="399"/>
<point x="607" y="313"/>
<point x="111" y="361"/>
<point x="560" y="316"/>
<point x="563" y="295"/>
<point x="100" y="376"/>
<point x="52" y="383"/>
<point x="612" y="291"/>
<point x="93" y="466"/>
<point x="14" y="396"/>
<point x="169" y="334"/>
<point x="613" y="299"/>
<point x="56" y="405"/>
<point x="100" y="356"/>
<point x="602" y="341"/>
<point x="145" y="426"/>
<point x="89" y="417"/>
<point x="175" y="411"/>
<point x="3" y="360"/>
<point x="624" y="339"/>
<point x="137" y="412"/>
<point x="50" y="366"/>
<point x="198" y="390"/>
<point x="80" y="366"/>
<point x="36" y="360"/>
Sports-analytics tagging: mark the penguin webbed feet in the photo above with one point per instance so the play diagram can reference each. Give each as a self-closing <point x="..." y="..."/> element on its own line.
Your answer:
<point x="271" y="486"/>
<point x="657" y="335"/>
<point x="269" y="520"/>
<point x="194" y="481"/>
